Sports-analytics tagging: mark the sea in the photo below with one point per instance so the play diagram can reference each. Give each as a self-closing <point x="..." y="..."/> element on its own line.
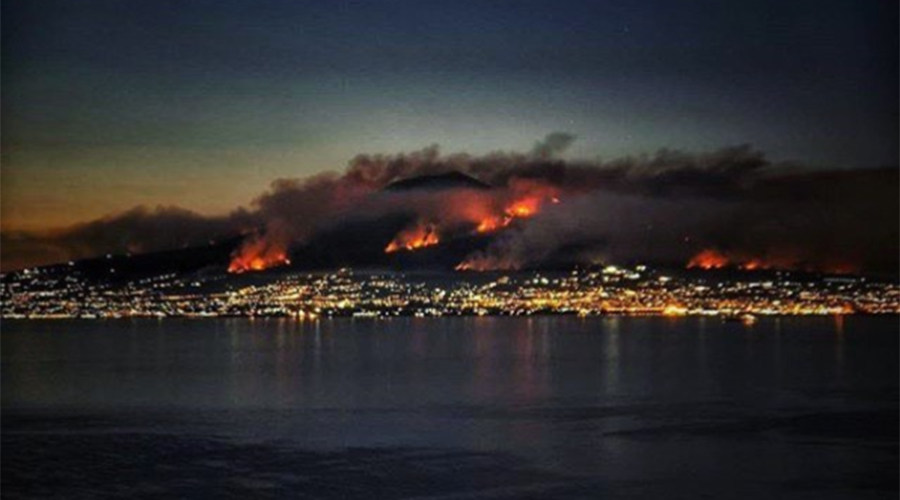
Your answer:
<point x="451" y="408"/>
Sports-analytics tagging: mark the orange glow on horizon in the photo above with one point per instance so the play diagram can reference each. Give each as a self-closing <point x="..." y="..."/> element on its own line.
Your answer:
<point x="753" y="265"/>
<point x="712" y="258"/>
<point x="708" y="259"/>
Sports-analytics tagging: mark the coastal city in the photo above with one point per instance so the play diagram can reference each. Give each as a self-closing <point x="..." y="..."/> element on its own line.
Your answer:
<point x="630" y="291"/>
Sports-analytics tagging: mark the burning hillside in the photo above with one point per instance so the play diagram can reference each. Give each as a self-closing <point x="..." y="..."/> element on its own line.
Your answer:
<point x="440" y="210"/>
<point x="502" y="211"/>
<point x="711" y="259"/>
<point x="257" y="254"/>
<point x="461" y="214"/>
<point x="419" y="236"/>
<point x="521" y="208"/>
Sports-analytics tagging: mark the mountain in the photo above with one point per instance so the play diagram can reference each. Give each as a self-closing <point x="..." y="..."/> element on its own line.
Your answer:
<point x="353" y="243"/>
<point x="361" y="242"/>
<point x="449" y="180"/>
<point x="121" y="268"/>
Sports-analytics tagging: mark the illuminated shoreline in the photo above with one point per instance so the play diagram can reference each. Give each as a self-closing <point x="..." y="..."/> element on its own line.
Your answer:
<point x="610" y="292"/>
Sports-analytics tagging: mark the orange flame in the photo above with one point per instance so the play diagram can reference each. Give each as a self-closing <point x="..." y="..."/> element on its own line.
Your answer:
<point x="457" y="213"/>
<point x="414" y="238"/>
<point x="257" y="254"/>
<point x="524" y="208"/>
<point x="708" y="259"/>
<point x="491" y="224"/>
<point x="530" y="200"/>
<point x="521" y="208"/>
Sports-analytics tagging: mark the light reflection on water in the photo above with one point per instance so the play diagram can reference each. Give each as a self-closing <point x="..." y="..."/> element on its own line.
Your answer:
<point x="415" y="362"/>
<point x="657" y="400"/>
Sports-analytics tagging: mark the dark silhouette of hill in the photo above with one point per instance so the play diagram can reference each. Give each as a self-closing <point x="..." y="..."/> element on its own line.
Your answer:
<point x="354" y="243"/>
<point x="121" y="268"/>
<point x="449" y="180"/>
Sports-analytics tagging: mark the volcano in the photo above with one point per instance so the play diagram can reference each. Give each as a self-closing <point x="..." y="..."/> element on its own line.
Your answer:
<point x="438" y="182"/>
<point x="433" y="223"/>
<point x="365" y="242"/>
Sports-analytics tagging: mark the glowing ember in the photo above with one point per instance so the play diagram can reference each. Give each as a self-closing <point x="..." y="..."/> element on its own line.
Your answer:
<point x="257" y="254"/>
<point x="708" y="259"/>
<point x="414" y="238"/>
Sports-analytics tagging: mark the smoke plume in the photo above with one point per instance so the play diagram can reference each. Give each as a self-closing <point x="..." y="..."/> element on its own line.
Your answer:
<point x="541" y="208"/>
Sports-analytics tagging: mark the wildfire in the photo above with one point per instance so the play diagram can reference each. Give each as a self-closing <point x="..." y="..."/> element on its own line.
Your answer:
<point x="714" y="259"/>
<point x="491" y="224"/>
<point x="459" y="213"/>
<point x="754" y="264"/>
<point x="257" y="254"/>
<point x="708" y="259"/>
<point x="414" y="238"/>
<point x="522" y="208"/>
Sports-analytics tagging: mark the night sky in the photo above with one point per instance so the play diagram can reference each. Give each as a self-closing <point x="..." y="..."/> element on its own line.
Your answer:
<point x="109" y="105"/>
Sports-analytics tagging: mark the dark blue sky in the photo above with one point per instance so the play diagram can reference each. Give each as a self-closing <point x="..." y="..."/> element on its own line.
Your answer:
<point x="110" y="104"/>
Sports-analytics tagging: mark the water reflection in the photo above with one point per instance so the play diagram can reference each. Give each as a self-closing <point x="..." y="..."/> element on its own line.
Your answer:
<point x="611" y="359"/>
<point x="338" y="363"/>
<point x="481" y="347"/>
<point x="839" y="347"/>
<point x="618" y="400"/>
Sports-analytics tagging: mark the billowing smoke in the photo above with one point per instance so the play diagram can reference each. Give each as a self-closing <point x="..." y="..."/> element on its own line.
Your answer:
<point x="138" y="230"/>
<point x="542" y="209"/>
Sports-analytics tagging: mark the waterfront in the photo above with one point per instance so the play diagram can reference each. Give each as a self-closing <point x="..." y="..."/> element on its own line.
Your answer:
<point x="60" y="292"/>
<point x="488" y="407"/>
